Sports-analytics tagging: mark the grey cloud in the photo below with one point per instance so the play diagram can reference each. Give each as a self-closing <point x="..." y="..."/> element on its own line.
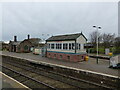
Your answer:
<point x="57" y="18"/>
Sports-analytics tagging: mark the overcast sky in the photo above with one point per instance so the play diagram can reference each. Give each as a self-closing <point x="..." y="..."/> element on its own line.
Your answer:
<point x="56" y="18"/>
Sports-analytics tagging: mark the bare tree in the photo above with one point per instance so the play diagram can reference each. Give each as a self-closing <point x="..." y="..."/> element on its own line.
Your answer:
<point x="108" y="40"/>
<point x="117" y="45"/>
<point x="93" y="38"/>
<point x="117" y="42"/>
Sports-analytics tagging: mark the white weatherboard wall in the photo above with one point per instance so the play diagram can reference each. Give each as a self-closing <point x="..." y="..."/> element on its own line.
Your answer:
<point x="82" y="41"/>
<point x="61" y="50"/>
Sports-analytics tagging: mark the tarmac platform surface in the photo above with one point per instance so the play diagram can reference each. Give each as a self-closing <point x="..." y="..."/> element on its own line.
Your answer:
<point x="8" y="82"/>
<point x="90" y="65"/>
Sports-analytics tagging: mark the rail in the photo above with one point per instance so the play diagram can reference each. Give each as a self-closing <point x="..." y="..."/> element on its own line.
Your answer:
<point x="73" y="78"/>
<point x="29" y="78"/>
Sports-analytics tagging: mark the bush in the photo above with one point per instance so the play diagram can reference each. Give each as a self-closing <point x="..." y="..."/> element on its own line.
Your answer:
<point x="117" y="50"/>
<point x="91" y="50"/>
<point x="101" y="50"/>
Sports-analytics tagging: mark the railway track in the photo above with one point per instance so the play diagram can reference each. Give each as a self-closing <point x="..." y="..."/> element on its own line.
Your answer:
<point x="24" y="78"/>
<point x="33" y="80"/>
<point x="48" y="79"/>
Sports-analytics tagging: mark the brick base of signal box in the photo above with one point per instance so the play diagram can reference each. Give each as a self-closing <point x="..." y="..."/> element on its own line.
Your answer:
<point x="67" y="57"/>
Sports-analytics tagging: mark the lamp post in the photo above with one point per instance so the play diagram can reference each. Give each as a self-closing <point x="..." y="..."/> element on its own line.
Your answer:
<point x="97" y="27"/>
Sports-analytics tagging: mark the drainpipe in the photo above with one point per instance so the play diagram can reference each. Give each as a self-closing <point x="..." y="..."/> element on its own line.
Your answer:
<point x="75" y="45"/>
<point x="46" y="49"/>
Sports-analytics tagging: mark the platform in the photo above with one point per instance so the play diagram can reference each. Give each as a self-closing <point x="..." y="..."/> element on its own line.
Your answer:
<point x="8" y="82"/>
<point x="90" y="65"/>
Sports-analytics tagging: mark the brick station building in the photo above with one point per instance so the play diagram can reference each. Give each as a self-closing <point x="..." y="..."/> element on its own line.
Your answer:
<point x="23" y="46"/>
<point x="67" y="47"/>
<point x="28" y="44"/>
<point x="13" y="45"/>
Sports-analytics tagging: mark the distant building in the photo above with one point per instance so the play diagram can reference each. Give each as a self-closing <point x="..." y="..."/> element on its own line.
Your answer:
<point x="39" y="50"/>
<point x="5" y="46"/>
<point x="1" y="45"/>
<point x="67" y="47"/>
<point x="28" y="44"/>
<point x="23" y="46"/>
<point x="13" y="45"/>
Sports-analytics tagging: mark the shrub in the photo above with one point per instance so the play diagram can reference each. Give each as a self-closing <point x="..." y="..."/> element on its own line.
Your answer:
<point x="117" y="50"/>
<point x="101" y="50"/>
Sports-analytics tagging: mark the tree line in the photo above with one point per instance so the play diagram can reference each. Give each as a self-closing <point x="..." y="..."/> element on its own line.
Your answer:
<point x="105" y="40"/>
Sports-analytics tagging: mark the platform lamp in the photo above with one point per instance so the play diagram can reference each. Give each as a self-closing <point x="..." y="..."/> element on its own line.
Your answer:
<point x="97" y="28"/>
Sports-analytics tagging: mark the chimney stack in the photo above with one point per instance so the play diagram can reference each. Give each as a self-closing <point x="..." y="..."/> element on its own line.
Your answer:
<point x="15" y="38"/>
<point x="28" y="36"/>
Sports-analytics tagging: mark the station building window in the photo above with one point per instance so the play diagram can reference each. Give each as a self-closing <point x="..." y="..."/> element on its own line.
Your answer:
<point x="79" y="46"/>
<point x="73" y="46"/>
<point x="52" y="46"/>
<point x="56" y="46"/>
<point x="26" y="47"/>
<point x="60" y="46"/>
<point x="65" y="46"/>
<point x="70" y="46"/>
